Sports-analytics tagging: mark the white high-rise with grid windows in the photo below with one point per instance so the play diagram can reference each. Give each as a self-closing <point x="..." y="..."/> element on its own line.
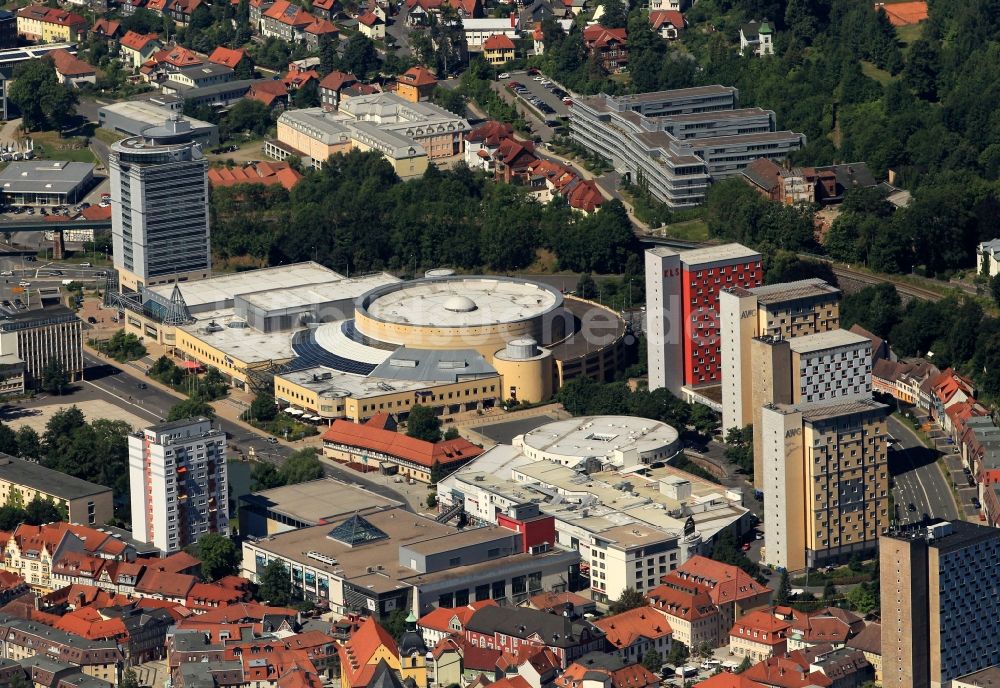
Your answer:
<point x="178" y="475"/>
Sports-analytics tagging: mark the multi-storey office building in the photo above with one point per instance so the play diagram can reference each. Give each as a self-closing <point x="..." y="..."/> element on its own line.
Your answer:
<point x="940" y="612"/>
<point x="178" y="474"/>
<point x="682" y="317"/>
<point x="22" y="481"/>
<point x="678" y="141"/>
<point x="159" y="219"/>
<point x="30" y="339"/>
<point x="825" y="481"/>
<point x="835" y="365"/>
<point x="788" y="310"/>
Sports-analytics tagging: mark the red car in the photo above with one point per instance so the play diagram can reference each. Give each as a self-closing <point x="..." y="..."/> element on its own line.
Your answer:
<point x="746" y="547"/>
<point x="533" y="72"/>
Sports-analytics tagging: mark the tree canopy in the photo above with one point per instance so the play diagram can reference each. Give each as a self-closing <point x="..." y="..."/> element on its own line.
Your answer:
<point x="219" y="556"/>
<point x="43" y="101"/>
<point x="423" y="423"/>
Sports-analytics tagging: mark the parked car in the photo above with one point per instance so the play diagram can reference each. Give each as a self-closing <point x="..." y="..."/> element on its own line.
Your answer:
<point x="7" y="273"/>
<point x="504" y="75"/>
<point x="911" y="507"/>
<point x="24" y="284"/>
<point x="272" y="440"/>
<point x="92" y="320"/>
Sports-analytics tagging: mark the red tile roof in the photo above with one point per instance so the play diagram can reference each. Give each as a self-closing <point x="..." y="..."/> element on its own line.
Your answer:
<point x="68" y="64"/>
<point x="245" y="611"/>
<point x="625" y="629"/>
<point x="296" y="78"/>
<point x="267" y="91"/>
<point x="292" y="15"/>
<point x="356" y="654"/>
<point x="399" y="445"/>
<point x="629" y="676"/>
<point x="178" y="56"/>
<point x="786" y="672"/>
<point x="596" y="36"/>
<point x="417" y="76"/>
<point x="227" y="57"/>
<point x="107" y="27"/>
<point x="498" y="41"/>
<point x="490" y="133"/>
<point x="439" y="619"/>
<point x="178" y="562"/>
<point x="904" y="13"/>
<point x="322" y="27"/>
<point x="96" y="212"/>
<point x="50" y="15"/>
<point x="368" y="18"/>
<point x="682" y="604"/>
<point x="165" y="583"/>
<point x="266" y="173"/>
<point x="585" y="196"/>
<point x="723" y="582"/>
<point x="336" y="80"/>
<point x="658" y="18"/>
<point x="137" y="41"/>
<point x="557" y="601"/>
<point x="769" y="629"/>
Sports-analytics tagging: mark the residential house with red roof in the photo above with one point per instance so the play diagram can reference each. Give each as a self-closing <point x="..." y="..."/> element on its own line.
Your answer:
<point x="266" y="173"/>
<point x="609" y="45"/>
<point x="498" y="50"/>
<point x="108" y="29"/>
<point x="947" y="389"/>
<point x="296" y="78"/>
<point x="443" y="622"/>
<point x="371" y="26"/>
<point x="419" y="11"/>
<point x="538" y="39"/>
<point x="904" y="13"/>
<point x="830" y="626"/>
<point x="137" y="48"/>
<point x="507" y="629"/>
<point x="326" y="9"/>
<point x="369" y="646"/>
<point x="416" y="84"/>
<point x="667" y="23"/>
<point x="635" y="632"/>
<point x="732" y="590"/>
<point x="562" y="602"/>
<point x="50" y="25"/>
<point x="164" y="585"/>
<point x="12" y="585"/>
<point x="182" y="10"/>
<point x="330" y="87"/>
<point x="692" y="617"/>
<point x="415" y="458"/>
<point x="236" y="59"/>
<point x="71" y="70"/>
<point x="585" y="197"/>
<point x="290" y="22"/>
<point x="791" y="670"/>
<point x="758" y="635"/>
<point x="600" y="670"/>
<point x="274" y="94"/>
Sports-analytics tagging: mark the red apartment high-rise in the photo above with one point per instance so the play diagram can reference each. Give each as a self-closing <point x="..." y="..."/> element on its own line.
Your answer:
<point x="682" y="310"/>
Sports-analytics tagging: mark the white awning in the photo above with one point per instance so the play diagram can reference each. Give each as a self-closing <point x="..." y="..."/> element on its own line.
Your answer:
<point x="293" y="411"/>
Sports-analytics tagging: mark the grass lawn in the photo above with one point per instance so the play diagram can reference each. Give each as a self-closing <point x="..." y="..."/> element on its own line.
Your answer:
<point x="50" y="146"/>
<point x="873" y="72"/>
<point x="908" y="34"/>
<point x="107" y="136"/>
<point x="690" y="230"/>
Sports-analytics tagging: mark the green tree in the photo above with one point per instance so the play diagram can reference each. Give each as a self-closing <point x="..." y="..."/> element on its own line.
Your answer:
<point x="586" y="287"/>
<point x="307" y="95"/>
<point x="360" y="56"/>
<point x="995" y="288"/>
<point x="629" y="599"/>
<point x="862" y="600"/>
<point x="678" y="653"/>
<point x="652" y="660"/>
<point x="423" y="423"/>
<point x="124" y="346"/>
<point x="11" y="517"/>
<point x="744" y="665"/>
<point x="55" y="379"/>
<point x="194" y="407"/>
<point x="219" y="556"/>
<point x="262" y="408"/>
<point x="129" y="679"/>
<point x="275" y="584"/>
<point x="829" y="590"/>
<point x="29" y="444"/>
<point x="18" y="680"/>
<point x="615" y="14"/>
<point x="452" y="433"/>
<point x="395" y="624"/>
<point x="301" y="467"/>
<point x="43" y="101"/>
<point x="264" y="476"/>
<point x="784" y="591"/>
<point x="8" y="440"/>
<point x="39" y="511"/>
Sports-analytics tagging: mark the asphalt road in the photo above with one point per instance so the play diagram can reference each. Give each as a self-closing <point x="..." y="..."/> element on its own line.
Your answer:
<point x="917" y="478"/>
<point x="108" y="382"/>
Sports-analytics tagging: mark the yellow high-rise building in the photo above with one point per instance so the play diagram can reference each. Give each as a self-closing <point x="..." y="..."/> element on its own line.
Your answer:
<point x="826" y="481"/>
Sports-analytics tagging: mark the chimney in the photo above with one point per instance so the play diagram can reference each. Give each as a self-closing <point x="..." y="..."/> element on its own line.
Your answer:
<point x="513" y="20"/>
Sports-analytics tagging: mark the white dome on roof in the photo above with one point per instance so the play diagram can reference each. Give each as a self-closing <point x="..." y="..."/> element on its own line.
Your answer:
<point x="459" y="304"/>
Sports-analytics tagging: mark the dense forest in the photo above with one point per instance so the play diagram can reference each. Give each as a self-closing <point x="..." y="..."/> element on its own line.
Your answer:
<point x="923" y="102"/>
<point x="355" y="215"/>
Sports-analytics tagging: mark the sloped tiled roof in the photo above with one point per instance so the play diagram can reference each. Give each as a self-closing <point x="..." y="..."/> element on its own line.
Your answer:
<point x="228" y="57"/>
<point x="397" y="444"/>
<point x="690" y="606"/>
<point x="725" y="583"/>
<point x="439" y="619"/>
<point x="498" y="41"/>
<point x="657" y="18"/>
<point x="68" y="64"/>
<point x="137" y="41"/>
<point x="266" y="173"/>
<point x="336" y="80"/>
<point x="417" y="76"/>
<point x="625" y="629"/>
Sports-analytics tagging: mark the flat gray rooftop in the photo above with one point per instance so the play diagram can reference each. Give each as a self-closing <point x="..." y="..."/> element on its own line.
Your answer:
<point x="789" y="291"/>
<point x="434" y="365"/>
<point x="320" y="501"/>
<point x="51" y="482"/>
<point x="44" y="176"/>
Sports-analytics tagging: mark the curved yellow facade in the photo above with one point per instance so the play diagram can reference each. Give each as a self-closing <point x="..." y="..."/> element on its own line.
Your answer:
<point x="529" y="379"/>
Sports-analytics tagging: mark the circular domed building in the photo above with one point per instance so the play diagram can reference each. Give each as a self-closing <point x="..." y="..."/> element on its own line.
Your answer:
<point x="528" y="332"/>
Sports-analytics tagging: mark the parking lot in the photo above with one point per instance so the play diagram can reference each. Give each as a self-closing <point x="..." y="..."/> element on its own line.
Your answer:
<point x="536" y="91"/>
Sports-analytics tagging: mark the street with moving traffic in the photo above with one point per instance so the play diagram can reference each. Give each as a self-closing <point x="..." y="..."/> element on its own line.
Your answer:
<point x="920" y="489"/>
